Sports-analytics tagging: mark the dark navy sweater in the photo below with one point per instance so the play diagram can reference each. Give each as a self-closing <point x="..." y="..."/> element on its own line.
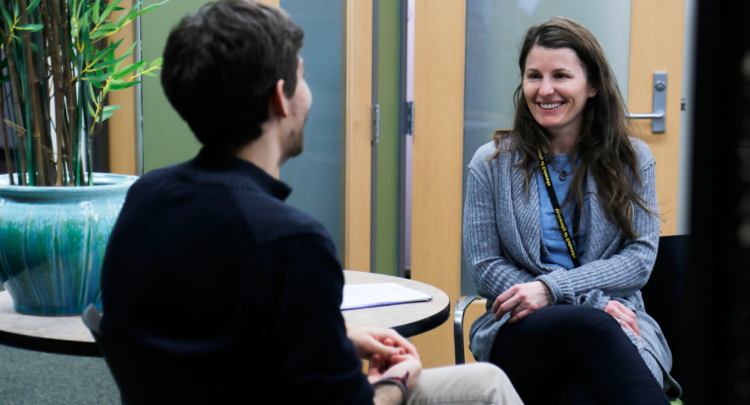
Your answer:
<point x="207" y="265"/>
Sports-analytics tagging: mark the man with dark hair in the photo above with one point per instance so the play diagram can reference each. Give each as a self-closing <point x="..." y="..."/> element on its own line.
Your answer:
<point x="208" y="268"/>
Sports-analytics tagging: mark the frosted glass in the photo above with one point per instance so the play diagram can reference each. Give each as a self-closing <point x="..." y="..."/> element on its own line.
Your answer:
<point x="494" y="32"/>
<point x="316" y="176"/>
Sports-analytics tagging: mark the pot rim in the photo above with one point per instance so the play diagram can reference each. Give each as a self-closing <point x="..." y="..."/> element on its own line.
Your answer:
<point x="104" y="183"/>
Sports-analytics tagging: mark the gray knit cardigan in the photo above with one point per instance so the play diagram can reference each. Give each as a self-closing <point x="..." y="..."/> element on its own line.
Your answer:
<point x="503" y="245"/>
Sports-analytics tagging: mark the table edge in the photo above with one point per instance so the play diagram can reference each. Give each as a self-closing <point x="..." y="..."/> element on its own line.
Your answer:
<point x="50" y="345"/>
<point x="424" y="325"/>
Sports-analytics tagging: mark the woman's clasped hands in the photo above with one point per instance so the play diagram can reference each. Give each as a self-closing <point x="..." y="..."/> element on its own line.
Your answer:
<point x="522" y="300"/>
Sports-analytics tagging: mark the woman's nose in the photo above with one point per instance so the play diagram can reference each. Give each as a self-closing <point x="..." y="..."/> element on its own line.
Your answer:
<point x="546" y="88"/>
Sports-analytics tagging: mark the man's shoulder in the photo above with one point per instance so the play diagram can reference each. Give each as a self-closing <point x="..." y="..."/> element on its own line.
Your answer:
<point x="272" y="219"/>
<point x="266" y="217"/>
<point x="157" y="177"/>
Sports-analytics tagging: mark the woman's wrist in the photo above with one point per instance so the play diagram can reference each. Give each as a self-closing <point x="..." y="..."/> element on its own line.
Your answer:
<point x="547" y="292"/>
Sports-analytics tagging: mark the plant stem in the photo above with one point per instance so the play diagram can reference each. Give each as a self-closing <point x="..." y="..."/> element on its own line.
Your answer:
<point x="8" y="161"/>
<point x="57" y="78"/>
<point x="67" y="66"/>
<point x="36" y="110"/>
<point x="45" y="90"/>
<point x="18" y="101"/>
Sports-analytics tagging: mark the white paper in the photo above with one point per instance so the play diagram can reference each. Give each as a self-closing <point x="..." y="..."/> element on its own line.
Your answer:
<point x="379" y="294"/>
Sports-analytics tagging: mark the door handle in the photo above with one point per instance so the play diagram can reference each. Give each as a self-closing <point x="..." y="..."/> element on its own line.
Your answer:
<point x="659" y="115"/>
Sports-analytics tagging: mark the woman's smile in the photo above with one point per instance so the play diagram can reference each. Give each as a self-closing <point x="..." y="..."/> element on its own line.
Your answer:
<point x="550" y="106"/>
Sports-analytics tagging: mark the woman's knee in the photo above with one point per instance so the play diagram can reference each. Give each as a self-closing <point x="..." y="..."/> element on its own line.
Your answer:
<point x="588" y="321"/>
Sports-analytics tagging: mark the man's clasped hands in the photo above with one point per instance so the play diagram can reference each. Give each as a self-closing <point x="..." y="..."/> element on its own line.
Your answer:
<point x="389" y="353"/>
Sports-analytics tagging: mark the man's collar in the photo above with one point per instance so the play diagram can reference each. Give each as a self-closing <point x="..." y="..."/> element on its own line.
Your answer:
<point x="225" y="169"/>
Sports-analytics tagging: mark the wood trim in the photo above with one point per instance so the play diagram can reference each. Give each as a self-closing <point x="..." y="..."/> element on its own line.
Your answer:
<point x="437" y="160"/>
<point x="358" y="159"/>
<point x="656" y="41"/>
<point x="123" y="131"/>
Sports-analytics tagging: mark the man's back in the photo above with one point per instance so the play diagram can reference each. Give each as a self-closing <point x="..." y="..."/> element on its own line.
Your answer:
<point x="207" y="266"/>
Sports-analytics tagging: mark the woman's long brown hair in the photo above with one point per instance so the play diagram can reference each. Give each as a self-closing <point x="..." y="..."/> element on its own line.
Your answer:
<point x="603" y="147"/>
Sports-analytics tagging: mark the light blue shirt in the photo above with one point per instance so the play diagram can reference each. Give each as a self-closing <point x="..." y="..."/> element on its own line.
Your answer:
<point x="553" y="239"/>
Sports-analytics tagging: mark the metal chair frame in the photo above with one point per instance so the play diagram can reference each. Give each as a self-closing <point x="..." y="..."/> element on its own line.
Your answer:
<point x="458" y="325"/>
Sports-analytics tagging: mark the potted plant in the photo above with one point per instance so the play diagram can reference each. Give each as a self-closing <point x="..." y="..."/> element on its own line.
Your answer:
<point x="58" y="65"/>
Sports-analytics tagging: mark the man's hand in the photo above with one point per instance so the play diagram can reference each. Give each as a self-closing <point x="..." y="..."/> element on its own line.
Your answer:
<point x="372" y="341"/>
<point x="397" y="367"/>
<point x="521" y="300"/>
<point x="626" y="317"/>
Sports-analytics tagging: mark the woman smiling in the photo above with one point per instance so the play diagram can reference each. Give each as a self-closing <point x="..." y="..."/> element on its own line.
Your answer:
<point x="561" y="231"/>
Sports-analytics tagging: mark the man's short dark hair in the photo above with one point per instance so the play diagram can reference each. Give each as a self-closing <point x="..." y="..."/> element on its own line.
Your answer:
<point x="222" y="63"/>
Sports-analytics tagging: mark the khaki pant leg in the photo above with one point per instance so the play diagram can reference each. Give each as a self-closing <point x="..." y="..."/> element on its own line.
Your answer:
<point x="468" y="384"/>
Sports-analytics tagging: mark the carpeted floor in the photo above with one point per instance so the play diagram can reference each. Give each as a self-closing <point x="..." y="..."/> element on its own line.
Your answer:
<point x="34" y="378"/>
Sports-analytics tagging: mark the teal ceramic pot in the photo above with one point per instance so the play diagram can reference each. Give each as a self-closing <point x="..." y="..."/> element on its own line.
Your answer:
<point x="52" y="242"/>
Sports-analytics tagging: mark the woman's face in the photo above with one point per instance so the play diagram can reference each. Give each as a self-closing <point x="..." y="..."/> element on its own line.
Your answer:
<point x="556" y="89"/>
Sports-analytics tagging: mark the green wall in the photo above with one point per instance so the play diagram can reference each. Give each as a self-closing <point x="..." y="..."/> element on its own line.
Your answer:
<point x="166" y="137"/>
<point x="388" y="82"/>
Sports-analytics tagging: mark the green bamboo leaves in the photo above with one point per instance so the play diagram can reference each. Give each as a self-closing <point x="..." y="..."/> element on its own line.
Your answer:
<point x="56" y="70"/>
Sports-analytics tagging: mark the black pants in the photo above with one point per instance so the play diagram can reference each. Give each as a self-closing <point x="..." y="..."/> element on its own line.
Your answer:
<point x="565" y="354"/>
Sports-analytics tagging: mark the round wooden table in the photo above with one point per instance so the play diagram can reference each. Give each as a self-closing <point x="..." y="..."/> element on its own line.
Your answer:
<point x="407" y="319"/>
<point x="68" y="334"/>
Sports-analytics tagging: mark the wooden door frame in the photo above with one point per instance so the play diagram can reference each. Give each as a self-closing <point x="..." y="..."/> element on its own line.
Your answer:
<point x="357" y="134"/>
<point x="123" y="130"/>
<point x="437" y="160"/>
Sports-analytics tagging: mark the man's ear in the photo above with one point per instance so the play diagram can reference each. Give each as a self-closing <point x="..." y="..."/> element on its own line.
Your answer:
<point x="277" y="102"/>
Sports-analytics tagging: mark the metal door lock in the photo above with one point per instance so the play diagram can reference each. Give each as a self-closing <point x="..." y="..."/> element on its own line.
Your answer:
<point x="659" y="114"/>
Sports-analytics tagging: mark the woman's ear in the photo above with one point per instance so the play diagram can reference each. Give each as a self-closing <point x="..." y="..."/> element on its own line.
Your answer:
<point x="593" y="90"/>
<point x="277" y="102"/>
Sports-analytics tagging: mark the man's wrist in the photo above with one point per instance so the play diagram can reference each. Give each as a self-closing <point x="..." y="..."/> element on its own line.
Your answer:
<point x="398" y="382"/>
<point x="388" y="394"/>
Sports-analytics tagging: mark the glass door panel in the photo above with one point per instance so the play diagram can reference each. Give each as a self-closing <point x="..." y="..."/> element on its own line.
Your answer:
<point x="316" y="176"/>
